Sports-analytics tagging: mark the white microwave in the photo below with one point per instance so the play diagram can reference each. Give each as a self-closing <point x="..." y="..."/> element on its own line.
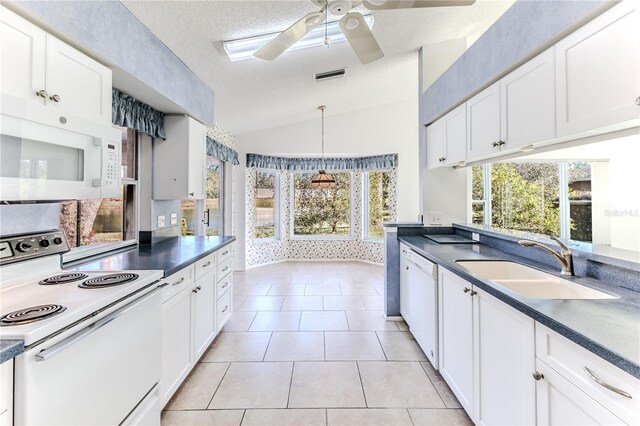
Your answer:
<point x="53" y="157"/>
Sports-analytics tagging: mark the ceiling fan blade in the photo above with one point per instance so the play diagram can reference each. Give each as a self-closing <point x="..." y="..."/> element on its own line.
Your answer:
<point x="290" y="36"/>
<point x="410" y="4"/>
<point x="360" y="37"/>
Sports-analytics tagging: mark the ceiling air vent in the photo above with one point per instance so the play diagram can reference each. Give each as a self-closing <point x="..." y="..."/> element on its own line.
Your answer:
<point x="328" y="75"/>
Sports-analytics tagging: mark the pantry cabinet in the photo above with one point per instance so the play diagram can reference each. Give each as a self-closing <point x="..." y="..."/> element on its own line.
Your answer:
<point x="38" y="68"/>
<point x="597" y="69"/>
<point x="180" y="160"/>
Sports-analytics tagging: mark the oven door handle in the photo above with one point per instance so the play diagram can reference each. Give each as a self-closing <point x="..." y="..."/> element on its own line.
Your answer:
<point x="63" y="345"/>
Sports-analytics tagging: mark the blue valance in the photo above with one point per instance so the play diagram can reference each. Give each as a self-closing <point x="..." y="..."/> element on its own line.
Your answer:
<point x="126" y="111"/>
<point x="377" y="162"/>
<point x="222" y="152"/>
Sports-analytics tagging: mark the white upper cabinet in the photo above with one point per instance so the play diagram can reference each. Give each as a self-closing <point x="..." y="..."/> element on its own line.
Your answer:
<point x="37" y="67"/>
<point x="483" y="123"/>
<point x="180" y="160"/>
<point x="77" y="84"/>
<point x="527" y="103"/>
<point x="598" y="72"/>
<point x="447" y="139"/>
<point x="23" y="51"/>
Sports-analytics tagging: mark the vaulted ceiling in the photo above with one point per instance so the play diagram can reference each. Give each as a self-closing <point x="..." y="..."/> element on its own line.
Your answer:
<point x="255" y="94"/>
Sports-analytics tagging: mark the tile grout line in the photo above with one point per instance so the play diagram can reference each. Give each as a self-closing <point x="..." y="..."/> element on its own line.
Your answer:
<point x="264" y="356"/>
<point x="433" y="384"/>
<point x="293" y="367"/>
<point x="244" y="413"/>
<point x="217" y="387"/>
<point x="382" y="346"/>
<point x="410" y="418"/>
<point x="364" y="395"/>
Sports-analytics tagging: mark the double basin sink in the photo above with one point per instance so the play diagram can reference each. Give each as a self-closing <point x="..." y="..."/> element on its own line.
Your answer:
<point x="530" y="282"/>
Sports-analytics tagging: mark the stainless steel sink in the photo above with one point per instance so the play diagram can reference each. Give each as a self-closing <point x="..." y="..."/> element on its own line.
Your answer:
<point x="530" y="282"/>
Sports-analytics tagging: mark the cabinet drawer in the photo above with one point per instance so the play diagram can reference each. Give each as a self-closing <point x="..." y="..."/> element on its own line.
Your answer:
<point x="224" y="284"/>
<point x="224" y="268"/>
<point x="225" y="253"/>
<point x="205" y="265"/>
<point x="177" y="282"/>
<point x="585" y="369"/>
<point x="224" y="308"/>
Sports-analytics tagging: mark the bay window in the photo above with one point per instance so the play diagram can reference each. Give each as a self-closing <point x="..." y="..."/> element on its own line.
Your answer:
<point x="376" y="203"/>
<point x="266" y="206"/>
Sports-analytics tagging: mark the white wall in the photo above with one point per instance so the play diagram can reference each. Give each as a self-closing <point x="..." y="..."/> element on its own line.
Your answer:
<point x="387" y="129"/>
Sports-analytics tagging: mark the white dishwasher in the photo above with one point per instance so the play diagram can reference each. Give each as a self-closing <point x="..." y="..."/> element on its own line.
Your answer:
<point x="423" y="304"/>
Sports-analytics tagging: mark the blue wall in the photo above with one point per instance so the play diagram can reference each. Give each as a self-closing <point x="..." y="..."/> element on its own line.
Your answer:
<point x="112" y="32"/>
<point x="526" y="29"/>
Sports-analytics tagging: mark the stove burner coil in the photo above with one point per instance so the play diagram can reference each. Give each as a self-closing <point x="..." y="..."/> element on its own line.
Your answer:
<point x="32" y="314"/>
<point x="108" y="280"/>
<point x="63" y="278"/>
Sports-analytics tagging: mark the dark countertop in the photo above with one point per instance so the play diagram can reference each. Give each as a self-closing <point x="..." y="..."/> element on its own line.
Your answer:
<point x="10" y="349"/>
<point x="608" y="328"/>
<point x="170" y="255"/>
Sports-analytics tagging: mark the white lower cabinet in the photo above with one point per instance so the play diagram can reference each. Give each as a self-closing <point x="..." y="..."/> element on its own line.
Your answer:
<point x="6" y="393"/>
<point x="456" y="336"/>
<point x="559" y="402"/>
<point x="203" y="311"/>
<point x="504" y="359"/>
<point x="404" y="284"/>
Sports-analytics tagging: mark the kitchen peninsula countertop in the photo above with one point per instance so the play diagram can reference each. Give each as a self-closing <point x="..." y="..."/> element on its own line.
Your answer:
<point x="10" y="349"/>
<point x="608" y="328"/>
<point x="169" y="256"/>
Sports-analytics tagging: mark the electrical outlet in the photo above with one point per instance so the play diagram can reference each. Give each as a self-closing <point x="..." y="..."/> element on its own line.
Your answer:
<point x="475" y="236"/>
<point x="435" y="218"/>
<point x="174" y="218"/>
<point x="161" y="221"/>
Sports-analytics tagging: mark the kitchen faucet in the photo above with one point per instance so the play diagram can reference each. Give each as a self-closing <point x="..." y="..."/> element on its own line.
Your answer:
<point x="565" y="257"/>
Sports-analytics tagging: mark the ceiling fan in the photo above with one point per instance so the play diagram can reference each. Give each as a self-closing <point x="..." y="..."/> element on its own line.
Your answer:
<point x="352" y="24"/>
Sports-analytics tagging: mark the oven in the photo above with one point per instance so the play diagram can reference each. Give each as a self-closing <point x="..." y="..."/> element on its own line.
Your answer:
<point x="51" y="157"/>
<point x="95" y="372"/>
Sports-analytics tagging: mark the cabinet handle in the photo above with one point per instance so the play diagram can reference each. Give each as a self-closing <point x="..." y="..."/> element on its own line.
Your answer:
<point x="501" y="142"/>
<point x="180" y="281"/>
<point x="206" y="264"/>
<point x="441" y="159"/>
<point x="191" y="194"/>
<point x="225" y="268"/>
<point x="606" y="385"/>
<point x="495" y="144"/>
<point x="225" y="308"/>
<point x="537" y="376"/>
<point x="466" y="289"/>
<point x="195" y="290"/>
<point x="224" y="253"/>
<point x="226" y="285"/>
<point x="42" y="93"/>
<point x="407" y="268"/>
<point x="199" y="288"/>
<point x="638" y="101"/>
<point x="55" y="98"/>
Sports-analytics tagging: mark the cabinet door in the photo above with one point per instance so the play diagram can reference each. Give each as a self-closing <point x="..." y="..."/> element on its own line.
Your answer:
<point x="203" y="307"/>
<point x="436" y="144"/>
<point x="23" y="52"/>
<point x="527" y="102"/>
<point x="197" y="159"/>
<point x="455" y="124"/>
<point x="83" y="86"/>
<point x="176" y="343"/>
<point x="456" y="336"/>
<point x="558" y="402"/>
<point x="597" y="69"/>
<point x="404" y="289"/>
<point x="504" y="359"/>
<point x="483" y="123"/>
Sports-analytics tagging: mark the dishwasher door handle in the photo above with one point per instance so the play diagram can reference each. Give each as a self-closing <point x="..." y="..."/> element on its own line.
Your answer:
<point x="63" y="345"/>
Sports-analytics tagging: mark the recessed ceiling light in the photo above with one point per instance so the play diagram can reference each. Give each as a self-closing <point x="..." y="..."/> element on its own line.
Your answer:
<point x="244" y="48"/>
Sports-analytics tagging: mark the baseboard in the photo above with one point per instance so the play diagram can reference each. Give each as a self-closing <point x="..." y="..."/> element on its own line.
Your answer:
<point x="315" y="260"/>
<point x="394" y="318"/>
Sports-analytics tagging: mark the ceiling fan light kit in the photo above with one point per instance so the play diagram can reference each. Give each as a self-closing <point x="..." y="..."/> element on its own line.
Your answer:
<point x="353" y="25"/>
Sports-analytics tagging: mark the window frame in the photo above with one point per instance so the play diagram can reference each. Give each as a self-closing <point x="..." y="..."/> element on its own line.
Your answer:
<point x="276" y="219"/>
<point x="293" y="236"/>
<point x="365" y="205"/>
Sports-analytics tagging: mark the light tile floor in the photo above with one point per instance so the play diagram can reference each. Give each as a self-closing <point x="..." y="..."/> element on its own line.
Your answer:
<point x="308" y="344"/>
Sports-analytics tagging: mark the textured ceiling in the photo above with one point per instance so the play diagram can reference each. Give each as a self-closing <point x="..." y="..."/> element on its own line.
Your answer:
<point x="255" y="94"/>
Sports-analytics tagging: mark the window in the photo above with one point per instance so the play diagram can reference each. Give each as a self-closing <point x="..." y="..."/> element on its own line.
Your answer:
<point x="265" y="210"/>
<point x="321" y="212"/>
<point x="376" y="207"/>
<point x="206" y="217"/>
<point x="552" y="198"/>
<point x="107" y="220"/>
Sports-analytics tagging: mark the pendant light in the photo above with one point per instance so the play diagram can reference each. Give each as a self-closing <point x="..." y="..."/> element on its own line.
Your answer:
<point x="323" y="180"/>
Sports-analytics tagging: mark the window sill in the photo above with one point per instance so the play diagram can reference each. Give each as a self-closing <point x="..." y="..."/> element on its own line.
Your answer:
<point x="374" y="240"/>
<point x="322" y="238"/>
<point x="265" y="240"/>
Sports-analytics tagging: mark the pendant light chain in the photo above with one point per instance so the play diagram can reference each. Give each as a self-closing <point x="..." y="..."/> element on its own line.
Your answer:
<point x="322" y="152"/>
